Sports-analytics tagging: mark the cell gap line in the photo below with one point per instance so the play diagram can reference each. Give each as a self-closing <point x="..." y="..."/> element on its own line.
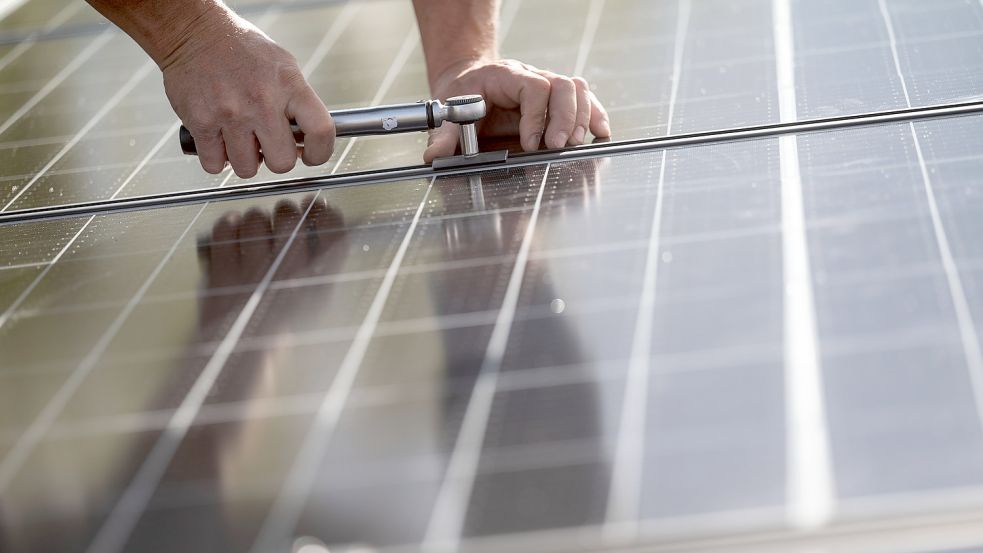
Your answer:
<point x="292" y="496"/>
<point x="809" y="476"/>
<point x="447" y="519"/>
<point x="964" y="318"/>
<point x="624" y="495"/>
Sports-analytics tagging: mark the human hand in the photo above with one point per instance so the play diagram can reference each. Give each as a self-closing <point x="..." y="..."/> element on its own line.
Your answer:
<point x="522" y="100"/>
<point x="236" y="91"/>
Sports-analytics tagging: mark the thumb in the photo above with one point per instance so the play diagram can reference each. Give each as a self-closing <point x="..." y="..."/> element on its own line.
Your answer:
<point x="442" y="142"/>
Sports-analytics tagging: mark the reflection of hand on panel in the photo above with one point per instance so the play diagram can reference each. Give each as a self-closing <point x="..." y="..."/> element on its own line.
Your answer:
<point x="242" y="248"/>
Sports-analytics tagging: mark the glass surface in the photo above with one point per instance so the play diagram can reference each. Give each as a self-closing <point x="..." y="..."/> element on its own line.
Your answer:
<point x="571" y="356"/>
<point x="410" y="325"/>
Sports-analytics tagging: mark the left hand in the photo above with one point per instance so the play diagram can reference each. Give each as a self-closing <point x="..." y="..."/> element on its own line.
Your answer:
<point x="522" y="100"/>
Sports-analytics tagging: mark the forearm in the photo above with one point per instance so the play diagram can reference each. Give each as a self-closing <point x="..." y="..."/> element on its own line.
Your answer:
<point x="455" y="32"/>
<point x="161" y="27"/>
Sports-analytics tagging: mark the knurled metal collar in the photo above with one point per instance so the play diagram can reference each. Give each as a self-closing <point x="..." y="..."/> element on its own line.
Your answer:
<point x="463" y="100"/>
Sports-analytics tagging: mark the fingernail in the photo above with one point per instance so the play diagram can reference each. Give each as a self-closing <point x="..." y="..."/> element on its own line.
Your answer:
<point x="606" y="128"/>
<point x="535" y="140"/>
<point x="579" y="134"/>
<point x="561" y="140"/>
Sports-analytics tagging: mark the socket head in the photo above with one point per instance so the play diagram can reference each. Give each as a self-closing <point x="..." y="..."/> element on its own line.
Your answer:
<point x="460" y="110"/>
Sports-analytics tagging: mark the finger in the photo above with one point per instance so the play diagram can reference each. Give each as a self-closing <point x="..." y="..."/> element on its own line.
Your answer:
<point x="562" y="110"/>
<point x="255" y="242"/>
<point x="509" y="86"/>
<point x="583" y="112"/>
<point x="211" y="151"/>
<point x="600" y="122"/>
<point x="224" y="251"/>
<point x="242" y="149"/>
<point x="315" y="121"/>
<point x="315" y="220"/>
<point x="326" y="218"/>
<point x="278" y="145"/>
<point x="286" y="217"/>
<point x="442" y="142"/>
<point x="532" y="92"/>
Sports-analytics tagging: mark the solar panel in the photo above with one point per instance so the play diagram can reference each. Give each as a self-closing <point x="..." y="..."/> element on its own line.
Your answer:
<point x="764" y="344"/>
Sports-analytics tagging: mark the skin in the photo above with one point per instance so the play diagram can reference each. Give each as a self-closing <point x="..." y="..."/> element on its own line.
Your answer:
<point x="206" y="52"/>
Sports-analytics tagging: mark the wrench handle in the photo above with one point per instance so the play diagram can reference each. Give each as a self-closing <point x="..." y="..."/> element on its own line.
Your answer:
<point x="394" y="119"/>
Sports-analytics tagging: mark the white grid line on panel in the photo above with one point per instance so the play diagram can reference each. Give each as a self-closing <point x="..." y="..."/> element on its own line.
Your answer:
<point x="969" y="337"/>
<point x="116" y="529"/>
<point x="56" y="21"/>
<point x="9" y="6"/>
<point x="447" y="519"/>
<point x="330" y="38"/>
<point x="11" y="464"/>
<point x="809" y="478"/>
<point x="895" y="55"/>
<point x="39" y="427"/>
<point x="590" y="32"/>
<point x="115" y="99"/>
<point x="624" y="496"/>
<point x="292" y="496"/>
<point x="65" y="72"/>
<point x="114" y="533"/>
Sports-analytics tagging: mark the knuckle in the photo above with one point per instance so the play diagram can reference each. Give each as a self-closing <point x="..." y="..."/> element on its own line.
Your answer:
<point x="539" y="84"/>
<point x="199" y="122"/>
<point x="581" y="83"/>
<point x="290" y="76"/>
<point x="563" y="84"/>
<point x="226" y="111"/>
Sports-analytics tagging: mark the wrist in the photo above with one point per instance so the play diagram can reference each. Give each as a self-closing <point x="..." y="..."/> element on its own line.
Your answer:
<point x="188" y="34"/>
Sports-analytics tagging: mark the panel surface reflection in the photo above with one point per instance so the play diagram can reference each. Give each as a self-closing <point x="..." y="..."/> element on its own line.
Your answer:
<point x="489" y="359"/>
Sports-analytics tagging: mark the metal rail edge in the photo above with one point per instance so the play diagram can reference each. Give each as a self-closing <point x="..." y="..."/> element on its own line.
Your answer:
<point x="602" y="149"/>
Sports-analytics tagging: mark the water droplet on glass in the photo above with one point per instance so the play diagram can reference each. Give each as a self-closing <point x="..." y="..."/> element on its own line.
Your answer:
<point x="365" y="247"/>
<point x="558" y="306"/>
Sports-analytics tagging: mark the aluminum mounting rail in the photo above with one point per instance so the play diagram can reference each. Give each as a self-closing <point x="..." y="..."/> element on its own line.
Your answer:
<point x="595" y="150"/>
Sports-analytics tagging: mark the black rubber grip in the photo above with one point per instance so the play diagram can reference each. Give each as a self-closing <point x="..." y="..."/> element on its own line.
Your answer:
<point x="188" y="141"/>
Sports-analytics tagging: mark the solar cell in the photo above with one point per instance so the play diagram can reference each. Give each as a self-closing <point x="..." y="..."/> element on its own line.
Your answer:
<point x="750" y="345"/>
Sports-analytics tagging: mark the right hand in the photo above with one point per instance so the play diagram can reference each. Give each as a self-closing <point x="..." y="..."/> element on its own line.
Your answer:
<point x="236" y="91"/>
